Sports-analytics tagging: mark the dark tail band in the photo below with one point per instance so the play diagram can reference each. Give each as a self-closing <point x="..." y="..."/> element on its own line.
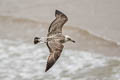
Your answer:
<point x="36" y="40"/>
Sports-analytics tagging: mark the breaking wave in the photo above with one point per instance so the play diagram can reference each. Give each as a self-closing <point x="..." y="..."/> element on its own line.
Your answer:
<point x="24" y="61"/>
<point x="26" y="22"/>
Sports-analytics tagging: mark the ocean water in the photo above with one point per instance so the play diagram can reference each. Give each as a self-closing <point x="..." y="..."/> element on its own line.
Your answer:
<point x="93" y="24"/>
<point x="90" y="58"/>
<point x="24" y="61"/>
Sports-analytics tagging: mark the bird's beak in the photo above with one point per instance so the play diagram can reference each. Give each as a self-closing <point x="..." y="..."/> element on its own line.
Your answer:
<point x="73" y="41"/>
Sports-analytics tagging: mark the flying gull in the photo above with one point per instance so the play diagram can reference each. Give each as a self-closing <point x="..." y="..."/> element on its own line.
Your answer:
<point x="55" y="39"/>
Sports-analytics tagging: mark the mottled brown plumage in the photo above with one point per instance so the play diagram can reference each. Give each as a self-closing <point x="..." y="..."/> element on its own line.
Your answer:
<point x="55" y="49"/>
<point x="55" y="45"/>
<point x="54" y="39"/>
<point x="57" y="24"/>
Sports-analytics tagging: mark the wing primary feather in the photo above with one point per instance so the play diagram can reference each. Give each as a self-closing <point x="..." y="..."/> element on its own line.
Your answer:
<point x="51" y="61"/>
<point x="57" y="12"/>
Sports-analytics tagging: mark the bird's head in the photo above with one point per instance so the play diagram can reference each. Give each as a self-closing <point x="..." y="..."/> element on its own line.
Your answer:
<point x="68" y="38"/>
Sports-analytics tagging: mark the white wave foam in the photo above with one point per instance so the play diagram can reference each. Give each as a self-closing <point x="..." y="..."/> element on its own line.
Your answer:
<point x="21" y="61"/>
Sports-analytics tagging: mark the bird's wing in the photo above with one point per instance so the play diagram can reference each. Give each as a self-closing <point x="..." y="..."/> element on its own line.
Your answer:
<point x="55" y="49"/>
<point x="57" y="24"/>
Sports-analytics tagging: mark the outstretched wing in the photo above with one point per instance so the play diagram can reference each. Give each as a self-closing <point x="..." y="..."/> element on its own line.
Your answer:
<point x="55" y="49"/>
<point x="57" y="24"/>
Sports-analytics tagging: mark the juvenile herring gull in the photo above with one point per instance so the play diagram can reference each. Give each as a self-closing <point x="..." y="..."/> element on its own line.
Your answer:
<point x="55" y="39"/>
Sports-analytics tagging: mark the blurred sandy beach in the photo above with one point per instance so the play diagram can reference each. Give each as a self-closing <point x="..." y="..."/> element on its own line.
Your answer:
<point x="93" y="24"/>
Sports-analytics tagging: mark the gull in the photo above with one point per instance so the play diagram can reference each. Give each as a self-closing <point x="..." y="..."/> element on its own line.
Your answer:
<point x="55" y="39"/>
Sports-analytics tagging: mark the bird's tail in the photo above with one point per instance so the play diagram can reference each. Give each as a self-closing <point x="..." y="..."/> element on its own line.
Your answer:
<point x="36" y="40"/>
